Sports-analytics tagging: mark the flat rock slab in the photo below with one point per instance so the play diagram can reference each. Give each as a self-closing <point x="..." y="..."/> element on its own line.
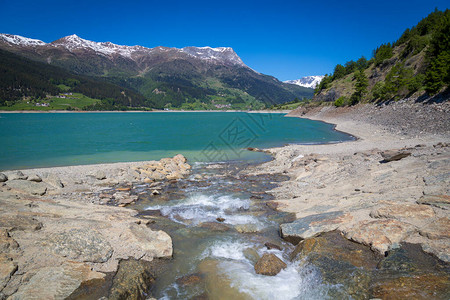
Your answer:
<point x="438" y="229"/>
<point x="404" y="211"/>
<point x="13" y="222"/>
<point x="87" y="245"/>
<point x="27" y="187"/>
<point x="381" y="235"/>
<point x="152" y="243"/>
<point x="313" y="225"/>
<point x="269" y="264"/>
<point x="441" y="201"/>
<point x="71" y="279"/>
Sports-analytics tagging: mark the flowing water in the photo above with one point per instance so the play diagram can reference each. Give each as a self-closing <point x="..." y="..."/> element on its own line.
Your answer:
<point x="219" y="225"/>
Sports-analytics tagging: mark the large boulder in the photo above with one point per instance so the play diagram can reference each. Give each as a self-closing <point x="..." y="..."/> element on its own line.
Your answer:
<point x="70" y="280"/>
<point x="3" y="177"/>
<point x="269" y="264"/>
<point x="392" y="155"/>
<point x="18" y="175"/>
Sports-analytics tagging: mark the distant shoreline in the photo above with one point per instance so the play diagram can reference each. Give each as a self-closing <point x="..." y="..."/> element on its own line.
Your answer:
<point x="140" y="111"/>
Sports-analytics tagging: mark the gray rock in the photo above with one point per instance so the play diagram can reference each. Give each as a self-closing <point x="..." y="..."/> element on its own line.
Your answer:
<point x="312" y="225"/>
<point x="28" y="187"/>
<point x="35" y="178"/>
<point x="71" y="280"/>
<point x="17" y="176"/>
<point x="100" y="175"/>
<point x="52" y="180"/>
<point x="3" y="177"/>
<point x="87" y="245"/>
<point x="391" y="155"/>
<point x="441" y="201"/>
<point x="7" y="269"/>
<point x="13" y="222"/>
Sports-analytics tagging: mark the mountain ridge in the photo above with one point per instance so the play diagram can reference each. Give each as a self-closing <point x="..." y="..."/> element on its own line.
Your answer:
<point x="307" y="81"/>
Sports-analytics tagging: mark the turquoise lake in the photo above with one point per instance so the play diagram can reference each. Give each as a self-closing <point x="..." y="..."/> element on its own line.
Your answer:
<point x="31" y="140"/>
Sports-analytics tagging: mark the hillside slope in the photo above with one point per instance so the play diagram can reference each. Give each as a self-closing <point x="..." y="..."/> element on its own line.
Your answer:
<point x="416" y="65"/>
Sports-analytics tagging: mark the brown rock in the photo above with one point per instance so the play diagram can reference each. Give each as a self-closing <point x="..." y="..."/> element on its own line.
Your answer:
<point x="380" y="235"/>
<point x="403" y="211"/>
<point x="19" y="222"/>
<point x="189" y="279"/>
<point x="272" y="246"/>
<point x="269" y="264"/>
<point x="438" y="229"/>
<point x="124" y="189"/>
<point x="441" y="201"/>
<point x="219" y="219"/>
<point x="6" y="242"/>
<point x="426" y="286"/>
<point x="392" y="155"/>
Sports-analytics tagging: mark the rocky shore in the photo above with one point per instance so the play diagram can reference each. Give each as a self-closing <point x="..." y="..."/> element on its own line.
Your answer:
<point x="56" y="242"/>
<point x="387" y="190"/>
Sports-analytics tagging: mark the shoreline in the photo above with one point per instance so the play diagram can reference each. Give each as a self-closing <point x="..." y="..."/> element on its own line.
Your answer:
<point x="140" y="111"/>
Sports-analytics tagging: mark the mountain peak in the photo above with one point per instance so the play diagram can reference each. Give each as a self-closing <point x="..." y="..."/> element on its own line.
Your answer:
<point x="308" y="81"/>
<point x="20" y="40"/>
<point x="220" y="54"/>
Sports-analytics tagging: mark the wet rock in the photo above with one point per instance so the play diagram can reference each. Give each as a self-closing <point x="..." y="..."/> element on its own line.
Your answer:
<point x="69" y="280"/>
<point x="403" y="211"/>
<point x="272" y="246"/>
<point x="438" y="248"/>
<point x="398" y="261"/>
<point x="423" y="286"/>
<point x="132" y="280"/>
<point x="251" y="254"/>
<point x="219" y="219"/>
<point x="441" y="201"/>
<point x="27" y="187"/>
<point x="86" y="245"/>
<point x="392" y="155"/>
<point x="7" y="269"/>
<point x="334" y="246"/>
<point x="35" y="178"/>
<point x="380" y="235"/>
<point x="189" y="279"/>
<point x="438" y="229"/>
<point x="269" y="264"/>
<point x="123" y="189"/>
<point x="246" y="228"/>
<point x="3" y="177"/>
<point x="213" y="226"/>
<point x="313" y="225"/>
<point x="13" y="222"/>
<point x="17" y="176"/>
<point x="156" y="192"/>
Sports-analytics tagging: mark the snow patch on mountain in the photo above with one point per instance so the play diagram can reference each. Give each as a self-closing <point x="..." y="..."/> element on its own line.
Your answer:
<point x="220" y="54"/>
<point x="20" y="40"/>
<point x="308" y="81"/>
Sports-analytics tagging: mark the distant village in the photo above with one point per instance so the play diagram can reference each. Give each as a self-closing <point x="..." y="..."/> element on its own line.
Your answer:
<point x="61" y="96"/>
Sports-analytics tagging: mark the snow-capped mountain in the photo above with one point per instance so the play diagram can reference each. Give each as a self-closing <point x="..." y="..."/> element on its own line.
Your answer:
<point x="308" y="81"/>
<point x="73" y="43"/>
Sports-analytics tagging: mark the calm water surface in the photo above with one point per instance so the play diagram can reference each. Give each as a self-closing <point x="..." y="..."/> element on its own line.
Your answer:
<point x="59" y="139"/>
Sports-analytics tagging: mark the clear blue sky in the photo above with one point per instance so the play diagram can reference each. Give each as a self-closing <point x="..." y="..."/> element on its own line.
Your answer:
<point x="286" y="39"/>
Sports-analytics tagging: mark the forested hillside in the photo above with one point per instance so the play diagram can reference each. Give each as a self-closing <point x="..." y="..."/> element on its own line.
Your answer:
<point x="21" y="78"/>
<point x="417" y="63"/>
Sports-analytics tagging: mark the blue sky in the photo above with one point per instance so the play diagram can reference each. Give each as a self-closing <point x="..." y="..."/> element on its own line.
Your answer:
<point x="286" y="39"/>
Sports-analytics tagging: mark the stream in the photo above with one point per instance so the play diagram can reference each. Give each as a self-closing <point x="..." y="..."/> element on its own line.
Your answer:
<point x="219" y="223"/>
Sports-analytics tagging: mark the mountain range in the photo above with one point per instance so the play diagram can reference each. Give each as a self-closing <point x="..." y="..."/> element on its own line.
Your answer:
<point x="190" y="77"/>
<point x="308" y="81"/>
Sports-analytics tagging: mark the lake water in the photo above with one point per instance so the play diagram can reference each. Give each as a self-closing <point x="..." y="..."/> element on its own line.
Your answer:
<point x="60" y="139"/>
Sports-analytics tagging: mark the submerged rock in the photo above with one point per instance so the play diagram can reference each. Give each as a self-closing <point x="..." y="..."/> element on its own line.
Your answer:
<point x="269" y="264"/>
